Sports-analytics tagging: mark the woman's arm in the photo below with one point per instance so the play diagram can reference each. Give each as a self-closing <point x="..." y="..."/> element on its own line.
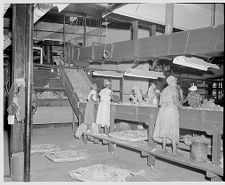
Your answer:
<point x="160" y="100"/>
<point x="112" y="98"/>
<point x="185" y="100"/>
<point x="176" y="102"/>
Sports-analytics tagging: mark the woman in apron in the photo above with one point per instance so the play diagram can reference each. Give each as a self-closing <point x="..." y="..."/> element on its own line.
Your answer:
<point x="103" y="115"/>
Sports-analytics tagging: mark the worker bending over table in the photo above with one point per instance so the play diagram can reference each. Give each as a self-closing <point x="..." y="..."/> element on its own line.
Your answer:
<point x="103" y="114"/>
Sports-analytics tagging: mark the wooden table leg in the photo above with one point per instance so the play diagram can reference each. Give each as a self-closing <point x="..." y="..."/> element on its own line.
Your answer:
<point x="216" y="179"/>
<point x="213" y="177"/>
<point x="111" y="147"/>
<point x="151" y="160"/>
<point x="150" y="131"/>
<point x="216" y="145"/>
<point x="112" y="118"/>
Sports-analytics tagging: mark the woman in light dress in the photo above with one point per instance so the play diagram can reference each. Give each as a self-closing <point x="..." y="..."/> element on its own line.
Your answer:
<point x="152" y="95"/>
<point x="167" y="123"/>
<point x="136" y="96"/>
<point x="103" y="115"/>
<point x="89" y="116"/>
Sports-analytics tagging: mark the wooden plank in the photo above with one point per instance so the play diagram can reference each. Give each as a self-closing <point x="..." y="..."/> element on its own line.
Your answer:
<point x="47" y="89"/>
<point x="184" y="160"/>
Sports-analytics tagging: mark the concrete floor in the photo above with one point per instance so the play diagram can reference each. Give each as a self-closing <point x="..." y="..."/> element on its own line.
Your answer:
<point x="44" y="170"/>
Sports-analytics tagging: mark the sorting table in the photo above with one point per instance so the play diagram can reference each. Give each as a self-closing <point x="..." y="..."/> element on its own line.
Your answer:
<point x="208" y="121"/>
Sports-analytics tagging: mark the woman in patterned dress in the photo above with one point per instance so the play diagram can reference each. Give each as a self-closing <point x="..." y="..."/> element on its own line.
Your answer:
<point x="167" y="123"/>
<point x="193" y="98"/>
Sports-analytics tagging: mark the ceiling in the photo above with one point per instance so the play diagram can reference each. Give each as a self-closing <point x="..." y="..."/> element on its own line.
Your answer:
<point x="53" y="20"/>
<point x="49" y="26"/>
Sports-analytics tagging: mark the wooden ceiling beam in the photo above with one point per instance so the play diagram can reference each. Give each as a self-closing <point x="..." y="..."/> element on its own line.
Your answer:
<point x="141" y="23"/>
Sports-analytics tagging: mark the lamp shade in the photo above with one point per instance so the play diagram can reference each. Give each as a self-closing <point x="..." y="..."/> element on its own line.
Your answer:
<point x="194" y="62"/>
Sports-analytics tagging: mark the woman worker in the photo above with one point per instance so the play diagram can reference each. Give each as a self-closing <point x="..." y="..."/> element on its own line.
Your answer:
<point x="167" y="123"/>
<point x="193" y="98"/>
<point x="103" y="115"/>
<point x="89" y="116"/>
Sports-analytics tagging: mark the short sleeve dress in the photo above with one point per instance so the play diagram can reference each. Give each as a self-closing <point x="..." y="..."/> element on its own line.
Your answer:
<point x="167" y="122"/>
<point x="103" y="115"/>
<point x="89" y="116"/>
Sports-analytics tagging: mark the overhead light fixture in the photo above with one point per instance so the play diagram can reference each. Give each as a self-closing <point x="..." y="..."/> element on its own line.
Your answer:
<point x="105" y="23"/>
<point x="194" y="62"/>
<point x="143" y="74"/>
<point x="108" y="74"/>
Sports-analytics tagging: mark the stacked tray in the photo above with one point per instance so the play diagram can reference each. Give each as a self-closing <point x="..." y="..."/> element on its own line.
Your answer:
<point x="67" y="155"/>
<point x="44" y="148"/>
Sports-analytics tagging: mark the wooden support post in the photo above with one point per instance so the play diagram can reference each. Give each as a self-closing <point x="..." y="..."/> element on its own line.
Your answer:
<point x="64" y="39"/>
<point x="22" y="52"/>
<point x="153" y="31"/>
<point x="134" y="36"/>
<point x="28" y="90"/>
<point x="85" y="32"/>
<point x="49" y="54"/>
<point x="121" y="89"/>
<point x="213" y="15"/>
<point x="18" y="67"/>
<point x="169" y="18"/>
<point x="68" y="54"/>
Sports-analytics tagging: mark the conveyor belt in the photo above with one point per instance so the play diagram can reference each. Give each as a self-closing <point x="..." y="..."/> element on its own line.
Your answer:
<point x="76" y="85"/>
